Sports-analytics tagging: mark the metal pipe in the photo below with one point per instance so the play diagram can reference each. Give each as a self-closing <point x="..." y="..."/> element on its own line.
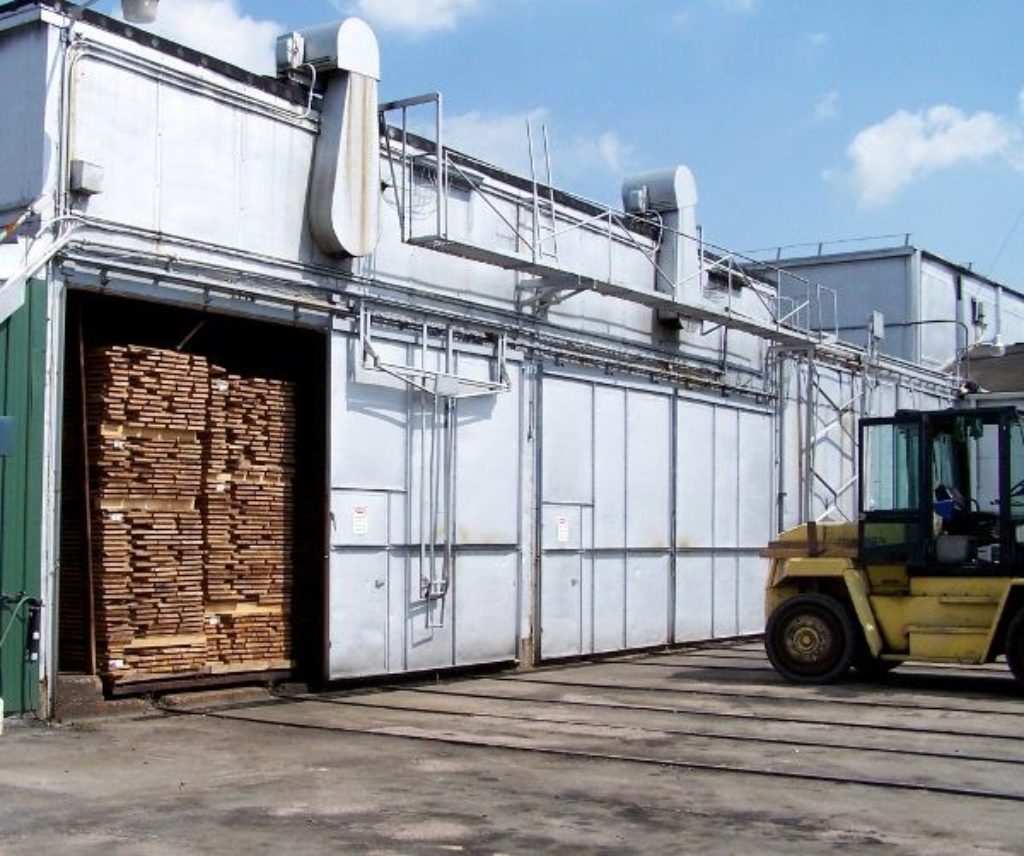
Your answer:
<point x="810" y="415"/>
<point x="779" y="472"/>
<point x="405" y="103"/>
<point x="551" y="191"/>
<point x="424" y="479"/>
<point x="407" y="174"/>
<point x="536" y="198"/>
<point x="194" y="85"/>
<point x="447" y="567"/>
<point x="434" y="480"/>
<point x="399" y="192"/>
<point x="423" y="488"/>
<point x="442" y="192"/>
<point x="545" y="338"/>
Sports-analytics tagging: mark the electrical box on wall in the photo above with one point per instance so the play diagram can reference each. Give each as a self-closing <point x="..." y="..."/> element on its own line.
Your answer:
<point x="876" y="324"/>
<point x="6" y="436"/>
<point x="86" y="178"/>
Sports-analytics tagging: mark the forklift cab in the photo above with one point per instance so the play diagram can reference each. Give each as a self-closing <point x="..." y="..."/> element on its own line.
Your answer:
<point x="934" y="569"/>
<point x="942" y="492"/>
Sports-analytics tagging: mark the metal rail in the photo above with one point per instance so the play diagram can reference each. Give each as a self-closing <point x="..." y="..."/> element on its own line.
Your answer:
<point x="701" y="713"/>
<point x="584" y="755"/>
<point x="955" y="755"/>
<point x="804" y="699"/>
<point x="536" y="261"/>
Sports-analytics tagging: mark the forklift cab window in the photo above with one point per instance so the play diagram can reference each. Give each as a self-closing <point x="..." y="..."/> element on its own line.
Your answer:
<point x="891" y="479"/>
<point x="947" y="494"/>
<point x="965" y="484"/>
<point x="1017" y="469"/>
<point x="892" y="493"/>
<point x="943" y="492"/>
<point x="1017" y="482"/>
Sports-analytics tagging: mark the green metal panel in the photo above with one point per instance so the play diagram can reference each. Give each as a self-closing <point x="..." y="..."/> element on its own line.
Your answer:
<point x="22" y="396"/>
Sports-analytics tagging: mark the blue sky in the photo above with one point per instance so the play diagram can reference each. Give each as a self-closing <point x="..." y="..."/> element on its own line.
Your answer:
<point x="802" y="121"/>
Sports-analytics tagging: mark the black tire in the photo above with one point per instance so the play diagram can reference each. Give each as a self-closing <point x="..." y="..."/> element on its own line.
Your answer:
<point x="869" y="666"/>
<point x="810" y="639"/>
<point x="1015" y="646"/>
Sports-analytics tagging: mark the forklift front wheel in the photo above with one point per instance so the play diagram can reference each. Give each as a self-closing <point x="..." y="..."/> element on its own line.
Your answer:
<point x="810" y="639"/>
<point x="869" y="666"/>
<point x="1015" y="646"/>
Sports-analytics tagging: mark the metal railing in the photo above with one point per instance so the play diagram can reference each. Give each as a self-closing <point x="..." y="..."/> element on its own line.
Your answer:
<point x="785" y="304"/>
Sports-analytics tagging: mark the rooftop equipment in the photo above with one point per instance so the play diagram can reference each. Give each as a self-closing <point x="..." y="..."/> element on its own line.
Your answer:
<point x="345" y="188"/>
<point x="133" y="11"/>
<point x="671" y="196"/>
<point x="139" y="11"/>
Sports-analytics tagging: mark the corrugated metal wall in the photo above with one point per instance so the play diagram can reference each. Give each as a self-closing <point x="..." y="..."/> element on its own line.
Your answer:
<point x="381" y="435"/>
<point x="606" y="517"/>
<point x="22" y="382"/>
<point x="623" y="465"/>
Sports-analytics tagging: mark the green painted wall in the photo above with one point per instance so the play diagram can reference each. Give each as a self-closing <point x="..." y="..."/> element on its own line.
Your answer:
<point x="22" y="395"/>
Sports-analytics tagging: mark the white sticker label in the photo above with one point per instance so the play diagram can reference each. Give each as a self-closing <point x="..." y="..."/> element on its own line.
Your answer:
<point x="562" y="528"/>
<point x="360" y="520"/>
<point x="115" y="664"/>
<point x="116" y="517"/>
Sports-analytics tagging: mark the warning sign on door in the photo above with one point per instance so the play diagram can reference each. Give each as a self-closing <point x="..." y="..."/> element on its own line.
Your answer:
<point x="360" y="520"/>
<point x="562" y="529"/>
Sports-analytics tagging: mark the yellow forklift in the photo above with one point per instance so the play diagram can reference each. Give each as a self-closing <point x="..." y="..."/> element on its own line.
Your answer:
<point x="932" y="571"/>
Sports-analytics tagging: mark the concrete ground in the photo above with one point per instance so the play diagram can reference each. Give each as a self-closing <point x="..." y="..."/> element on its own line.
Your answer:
<point x="693" y="750"/>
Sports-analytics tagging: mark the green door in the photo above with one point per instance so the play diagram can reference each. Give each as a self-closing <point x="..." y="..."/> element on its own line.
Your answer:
<point x="22" y="396"/>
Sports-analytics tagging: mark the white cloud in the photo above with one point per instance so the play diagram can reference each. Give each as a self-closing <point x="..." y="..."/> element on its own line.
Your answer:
<point x="219" y="28"/>
<point x="827" y="107"/>
<point x="501" y="139"/>
<point x="612" y="150"/>
<point x="1020" y="101"/>
<point x="906" y="147"/>
<point x="411" y="16"/>
<point x="497" y="138"/>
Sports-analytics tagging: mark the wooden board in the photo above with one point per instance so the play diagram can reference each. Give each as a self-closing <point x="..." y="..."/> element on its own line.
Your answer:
<point x="191" y="484"/>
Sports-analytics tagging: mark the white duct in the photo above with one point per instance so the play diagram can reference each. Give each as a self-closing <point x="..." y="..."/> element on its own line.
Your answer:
<point x="344" y="194"/>
<point x="139" y="11"/>
<point x="672" y="194"/>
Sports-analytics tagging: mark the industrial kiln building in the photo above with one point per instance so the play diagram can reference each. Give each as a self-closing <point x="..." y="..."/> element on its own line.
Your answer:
<point x="451" y="415"/>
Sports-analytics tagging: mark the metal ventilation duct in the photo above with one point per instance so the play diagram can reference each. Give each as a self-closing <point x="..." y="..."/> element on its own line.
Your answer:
<point x="139" y="11"/>
<point x="672" y="195"/>
<point x="344" y="194"/>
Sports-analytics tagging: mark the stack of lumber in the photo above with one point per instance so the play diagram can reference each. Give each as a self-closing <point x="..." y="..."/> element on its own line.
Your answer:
<point x="248" y="504"/>
<point x="147" y="415"/>
<point x="192" y="518"/>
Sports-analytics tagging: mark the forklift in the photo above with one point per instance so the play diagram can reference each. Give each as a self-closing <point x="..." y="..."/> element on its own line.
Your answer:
<point x="932" y="571"/>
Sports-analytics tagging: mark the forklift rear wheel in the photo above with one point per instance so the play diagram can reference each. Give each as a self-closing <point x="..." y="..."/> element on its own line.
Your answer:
<point x="1015" y="646"/>
<point x="810" y="639"/>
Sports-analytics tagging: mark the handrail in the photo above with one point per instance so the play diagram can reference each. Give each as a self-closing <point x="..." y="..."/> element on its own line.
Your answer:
<point x="805" y="318"/>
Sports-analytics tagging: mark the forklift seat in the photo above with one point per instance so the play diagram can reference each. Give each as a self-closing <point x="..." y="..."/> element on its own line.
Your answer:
<point x="952" y="549"/>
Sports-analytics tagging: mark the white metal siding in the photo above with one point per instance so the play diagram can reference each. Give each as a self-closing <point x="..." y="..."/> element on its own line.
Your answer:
<point x="379" y="620"/>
